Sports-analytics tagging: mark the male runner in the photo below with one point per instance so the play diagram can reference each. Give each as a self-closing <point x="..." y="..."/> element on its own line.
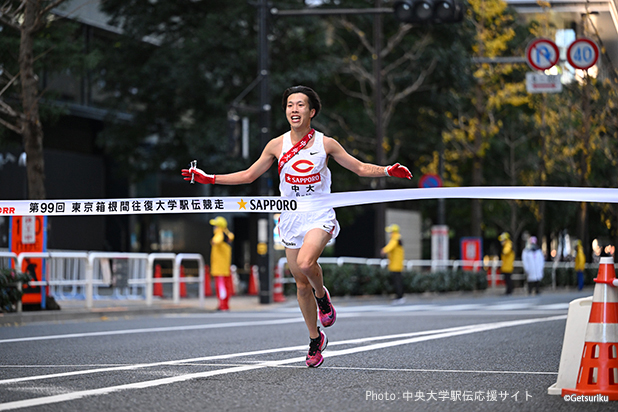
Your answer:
<point x="302" y="154"/>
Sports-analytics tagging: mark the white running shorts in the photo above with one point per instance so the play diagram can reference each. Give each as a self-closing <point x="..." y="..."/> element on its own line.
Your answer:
<point x="294" y="226"/>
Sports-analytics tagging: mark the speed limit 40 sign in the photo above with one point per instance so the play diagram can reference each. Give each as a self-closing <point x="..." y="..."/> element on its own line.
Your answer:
<point x="583" y="53"/>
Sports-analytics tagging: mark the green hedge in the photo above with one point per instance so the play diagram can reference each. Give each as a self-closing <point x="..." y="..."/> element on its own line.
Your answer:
<point x="9" y="295"/>
<point x="355" y="280"/>
<point x="568" y="277"/>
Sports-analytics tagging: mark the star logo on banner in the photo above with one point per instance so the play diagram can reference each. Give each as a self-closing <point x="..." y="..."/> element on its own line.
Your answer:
<point x="242" y="204"/>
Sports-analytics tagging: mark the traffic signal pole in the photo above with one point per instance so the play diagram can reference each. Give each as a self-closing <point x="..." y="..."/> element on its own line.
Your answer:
<point x="265" y="240"/>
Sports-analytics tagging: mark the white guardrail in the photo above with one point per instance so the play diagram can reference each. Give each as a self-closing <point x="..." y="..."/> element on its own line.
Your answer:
<point x="79" y="275"/>
<point x="433" y="265"/>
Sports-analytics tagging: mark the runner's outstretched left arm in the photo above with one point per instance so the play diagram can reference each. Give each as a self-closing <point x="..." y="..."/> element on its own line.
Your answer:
<point x="334" y="149"/>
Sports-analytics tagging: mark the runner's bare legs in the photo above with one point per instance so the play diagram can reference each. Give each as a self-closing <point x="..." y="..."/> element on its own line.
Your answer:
<point x="303" y="264"/>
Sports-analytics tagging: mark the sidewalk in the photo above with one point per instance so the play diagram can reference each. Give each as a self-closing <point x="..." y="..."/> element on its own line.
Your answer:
<point x="119" y="308"/>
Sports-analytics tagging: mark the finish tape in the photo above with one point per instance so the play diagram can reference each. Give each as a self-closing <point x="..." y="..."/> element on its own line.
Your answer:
<point x="270" y="204"/>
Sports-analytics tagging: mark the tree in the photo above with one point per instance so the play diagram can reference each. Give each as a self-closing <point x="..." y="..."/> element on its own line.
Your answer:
<point x="478" y="119"/>
<point x="29" y="18"/>
<point x="175" y="73"/>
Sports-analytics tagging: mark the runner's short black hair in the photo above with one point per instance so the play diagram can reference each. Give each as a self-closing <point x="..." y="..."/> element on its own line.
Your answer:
<point x="314" y="99"/>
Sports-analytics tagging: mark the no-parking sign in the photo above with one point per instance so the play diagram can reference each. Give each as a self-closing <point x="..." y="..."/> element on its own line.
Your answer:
<point x="583" y="53"/>
<point x="429" y="180"/>
<point x="542" y="54"/>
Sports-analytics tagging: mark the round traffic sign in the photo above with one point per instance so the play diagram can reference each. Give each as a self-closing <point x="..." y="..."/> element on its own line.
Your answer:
<point x="429" y="180"/>
<point x="583" y="53"/>
<point x="542" y="54"/>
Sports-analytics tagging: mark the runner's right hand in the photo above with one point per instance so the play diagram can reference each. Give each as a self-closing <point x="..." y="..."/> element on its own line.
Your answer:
<point x="198" y="175"/>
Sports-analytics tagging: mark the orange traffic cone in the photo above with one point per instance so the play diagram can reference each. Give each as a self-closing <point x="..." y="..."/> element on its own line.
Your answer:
<point x="183" y="284"/>
<point x="252" y="288"/>
<point x="207" y="281"/>
<point x="278" y="287"/>
<point x="598" y="371"/>
<point x="157" y="287"/>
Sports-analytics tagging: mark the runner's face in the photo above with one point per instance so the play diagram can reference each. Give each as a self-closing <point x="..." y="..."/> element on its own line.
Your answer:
<point x="297" y="111"/>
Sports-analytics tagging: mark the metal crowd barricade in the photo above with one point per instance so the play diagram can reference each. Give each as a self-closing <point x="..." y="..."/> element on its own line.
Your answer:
<point x="66" y="274"/>
<point x="177" y="279"/>
<point x="150" y="281"/>
<point x="137" y="278"/>
<point x="7" y="259"/>
<point x="78" y="275"/>
<point x="133" y="279"/>
<point x="54" y="273"/>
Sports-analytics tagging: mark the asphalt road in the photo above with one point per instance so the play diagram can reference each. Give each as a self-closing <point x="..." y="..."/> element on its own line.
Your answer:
<point x="446" y="354"/>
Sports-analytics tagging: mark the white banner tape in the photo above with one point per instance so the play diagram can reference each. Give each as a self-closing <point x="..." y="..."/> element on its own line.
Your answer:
<point x="264" y="204"/>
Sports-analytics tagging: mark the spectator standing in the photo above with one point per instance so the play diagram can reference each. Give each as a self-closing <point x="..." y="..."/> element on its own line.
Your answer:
<point x="533" y="261"/>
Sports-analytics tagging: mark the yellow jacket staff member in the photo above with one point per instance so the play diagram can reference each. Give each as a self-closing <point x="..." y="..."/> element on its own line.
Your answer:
<point x="580" y="265"/>
<point x="221" y="251"/>
<point x="394" y="249"/>
<point x="508" y="258"/>
<point x="395" y="253"/>
<point x="221" y="260"/>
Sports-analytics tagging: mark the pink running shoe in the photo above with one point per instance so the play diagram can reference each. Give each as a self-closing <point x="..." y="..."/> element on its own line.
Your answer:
<point x="326" y="310"/>
<point x="316" y="346"/>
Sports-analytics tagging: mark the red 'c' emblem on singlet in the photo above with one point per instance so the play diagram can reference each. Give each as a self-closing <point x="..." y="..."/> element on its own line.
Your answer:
<point x="303" y="166"/>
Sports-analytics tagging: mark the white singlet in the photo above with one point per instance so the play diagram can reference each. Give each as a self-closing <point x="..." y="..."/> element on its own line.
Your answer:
<point x="305" y="174"/>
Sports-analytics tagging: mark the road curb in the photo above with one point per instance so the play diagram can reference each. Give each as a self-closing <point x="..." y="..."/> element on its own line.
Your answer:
<point x="8" y="319"/>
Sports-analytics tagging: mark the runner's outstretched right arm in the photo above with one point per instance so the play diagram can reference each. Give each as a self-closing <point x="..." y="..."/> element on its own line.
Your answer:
<point x="237" y="178"/>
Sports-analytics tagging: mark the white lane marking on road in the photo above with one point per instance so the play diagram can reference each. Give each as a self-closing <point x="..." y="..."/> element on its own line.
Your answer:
<point x="346" y="368"/>
<point x="351" y="368"/>
<point x="555" y="306"/>
<point x="460" y="307"/>
<point x="156" y="330"/>
<point x="68" y="365"/>
<point x="510" y="305"/>
<point x="225" y="356"/>
<point x="476" y="307"/>
<point x="175" y="379"/>
<point x="474" y="329"/>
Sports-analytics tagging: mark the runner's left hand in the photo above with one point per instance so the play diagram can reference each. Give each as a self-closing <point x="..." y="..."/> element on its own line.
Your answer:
<point x="398" y="170"/>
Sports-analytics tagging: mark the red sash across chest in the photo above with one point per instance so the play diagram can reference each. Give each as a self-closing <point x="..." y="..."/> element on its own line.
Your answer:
<point x="295" y="149"/>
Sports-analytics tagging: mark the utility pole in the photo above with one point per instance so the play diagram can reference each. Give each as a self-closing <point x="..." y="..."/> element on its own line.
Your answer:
<point x="265" y="221"/>
<point x="379" y="208"/>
